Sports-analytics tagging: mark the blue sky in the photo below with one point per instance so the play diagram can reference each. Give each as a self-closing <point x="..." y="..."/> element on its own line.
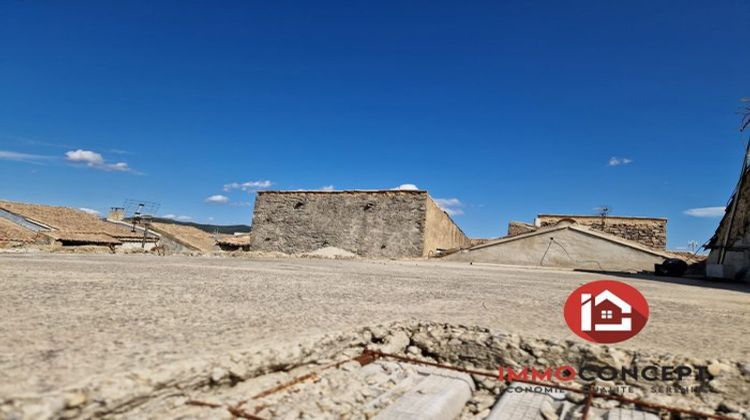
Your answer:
<point x="504" y="109"/>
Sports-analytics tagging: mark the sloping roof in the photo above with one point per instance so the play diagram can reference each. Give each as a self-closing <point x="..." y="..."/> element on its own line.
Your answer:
<point x="578" y="228"/>
<point x="187" y="235"/>
<point x="67" y="219"/>
<point x="10" y="231"/>
<point x="83" y="237"/>
<point x="237" y="240"/>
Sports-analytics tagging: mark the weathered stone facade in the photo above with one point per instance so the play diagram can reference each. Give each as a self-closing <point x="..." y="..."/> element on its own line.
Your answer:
<point x="651" y="232"/>
<point x="734" y="257"/>
<point x="384" y="224"/>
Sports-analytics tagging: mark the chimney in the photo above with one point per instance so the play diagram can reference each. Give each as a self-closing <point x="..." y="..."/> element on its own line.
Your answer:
<point x="116" y="214"/>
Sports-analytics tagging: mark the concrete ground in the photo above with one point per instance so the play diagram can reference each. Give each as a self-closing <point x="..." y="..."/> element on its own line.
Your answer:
<point x="64" y="318"/>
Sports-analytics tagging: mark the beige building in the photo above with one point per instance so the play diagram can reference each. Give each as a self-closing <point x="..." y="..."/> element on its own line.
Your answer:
<point x="379" y="223"/>
<point x="568" y="245"/>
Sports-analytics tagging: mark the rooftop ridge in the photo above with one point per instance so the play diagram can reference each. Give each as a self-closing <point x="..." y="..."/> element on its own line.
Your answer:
<point x="340" y="191"/>
<point x="589" y="216"/>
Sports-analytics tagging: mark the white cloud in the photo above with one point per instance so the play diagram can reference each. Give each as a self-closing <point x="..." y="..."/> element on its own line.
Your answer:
<point x="218" y="199"/>
<point x="706" y="212"/>
<point x="89" y="211"/>
<point x="176" y="217"/>
<point x="84" y="156"/>
<point x="452" y="206"/>
<point x="615" y="161"/>
<point x="22" y="157"/>
<point x="79" y="157"/>
<point x="247" y="186"/>
<point x="406" y="187"/>
<point x="95" y="160"/>
<point x="119" y="166"/>
<point x="328" y="188"/>
<point x="448" y="202"/>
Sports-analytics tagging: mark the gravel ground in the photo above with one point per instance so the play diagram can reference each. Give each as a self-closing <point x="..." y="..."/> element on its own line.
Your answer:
<point x="64" y="318"/>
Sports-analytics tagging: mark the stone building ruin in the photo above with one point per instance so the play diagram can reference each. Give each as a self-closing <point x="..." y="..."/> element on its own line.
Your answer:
<point x="377" y="223"/>
<point x="648" y="231"/>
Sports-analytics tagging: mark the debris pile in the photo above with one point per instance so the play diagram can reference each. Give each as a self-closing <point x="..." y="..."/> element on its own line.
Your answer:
<point x="327" y="378"/>
<point x="330" y="252"/>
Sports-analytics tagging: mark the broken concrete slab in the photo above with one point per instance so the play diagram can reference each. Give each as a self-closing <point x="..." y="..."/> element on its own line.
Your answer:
<point x="439" y="395"/>
<point x="522" y="402"/>
<point x="628" y="414"/>
<point x="534" y="402"/>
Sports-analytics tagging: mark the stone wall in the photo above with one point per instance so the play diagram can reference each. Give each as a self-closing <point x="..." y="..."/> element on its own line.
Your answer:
<point x="651" y="232"/>
<point x="383" y="224"/>
<point x="737" y="258"/>
<point x="440" y="231"/>
<point x="518" y="228"/>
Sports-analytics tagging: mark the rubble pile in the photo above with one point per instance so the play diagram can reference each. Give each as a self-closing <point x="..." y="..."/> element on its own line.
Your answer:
<point x="349" y="390"/>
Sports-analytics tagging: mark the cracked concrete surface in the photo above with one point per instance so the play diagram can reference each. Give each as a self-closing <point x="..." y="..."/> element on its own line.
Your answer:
<point x="68" y="317"/>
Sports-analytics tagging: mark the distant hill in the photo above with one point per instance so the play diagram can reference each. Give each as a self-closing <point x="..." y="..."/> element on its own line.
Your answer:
<point x="225" y="229"/>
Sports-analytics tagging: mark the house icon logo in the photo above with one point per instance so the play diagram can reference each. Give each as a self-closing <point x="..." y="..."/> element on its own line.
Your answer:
<point x="606" y="311"/>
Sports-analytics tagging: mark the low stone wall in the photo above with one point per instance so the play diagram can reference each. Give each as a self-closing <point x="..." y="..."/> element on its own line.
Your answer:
<point x="651" y="232"/>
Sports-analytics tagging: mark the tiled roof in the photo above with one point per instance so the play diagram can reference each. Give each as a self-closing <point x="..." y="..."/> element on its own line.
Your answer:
<point x="10" y="231"/>
<point x="66" y="219"/>
<point x="188" y="235"/>
<point x="239" y="240"/>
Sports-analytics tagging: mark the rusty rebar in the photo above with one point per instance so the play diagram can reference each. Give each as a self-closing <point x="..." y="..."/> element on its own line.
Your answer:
<point x="587" y="404"/>
<point x="438" y="365"/>
<point x="235" y="411"/>
<point x="369" y="356"/>
<point x="590" y="391"/>
<point x="285" y="385"/>
<point x="203" y="404"/>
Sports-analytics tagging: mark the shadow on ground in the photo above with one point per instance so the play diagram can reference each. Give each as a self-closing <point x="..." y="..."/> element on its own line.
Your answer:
<point x="734" y="285"/>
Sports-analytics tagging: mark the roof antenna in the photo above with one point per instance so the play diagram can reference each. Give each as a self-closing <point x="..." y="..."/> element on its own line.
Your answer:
<point x="603" y="211"/>
<point x="140" y="213"/>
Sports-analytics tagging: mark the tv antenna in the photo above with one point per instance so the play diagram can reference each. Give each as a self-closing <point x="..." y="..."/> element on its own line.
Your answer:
<point x="603" y="211"/>
<point x="140" y="213"/>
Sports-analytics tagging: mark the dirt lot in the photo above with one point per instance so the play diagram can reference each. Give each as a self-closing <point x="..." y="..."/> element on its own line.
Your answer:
<point x="64" y="318"/>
